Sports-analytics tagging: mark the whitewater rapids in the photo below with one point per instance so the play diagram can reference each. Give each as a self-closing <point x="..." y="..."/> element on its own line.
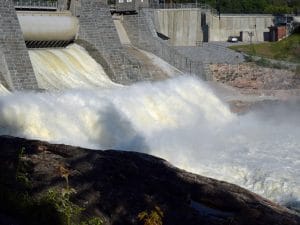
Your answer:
<point x="180" y="120"/>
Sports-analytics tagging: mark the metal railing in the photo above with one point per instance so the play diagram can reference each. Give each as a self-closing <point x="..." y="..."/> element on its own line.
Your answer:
<point x="35" y="4"/>
<point x="202" y="6"/>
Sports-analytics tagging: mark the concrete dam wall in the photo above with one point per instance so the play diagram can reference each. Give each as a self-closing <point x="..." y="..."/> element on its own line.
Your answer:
<point x="183" y="26"/>
<point x="188" y="27"/>
<point x="220" y="28"/>
<point x="92" y="27"/>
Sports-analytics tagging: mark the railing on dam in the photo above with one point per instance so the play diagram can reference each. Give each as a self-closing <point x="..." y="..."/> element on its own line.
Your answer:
<point x="36" y="5"/>
<point x="202" y="6"/>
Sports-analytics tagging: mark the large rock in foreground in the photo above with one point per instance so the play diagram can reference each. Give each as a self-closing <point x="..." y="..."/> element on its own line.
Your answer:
<point x="117" y="186"/>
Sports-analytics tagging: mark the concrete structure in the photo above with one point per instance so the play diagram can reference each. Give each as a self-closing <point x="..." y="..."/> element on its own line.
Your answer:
<point x="182" y="26"/>
<point x="141" y="31"/>
<point x="98" y="30"/>
<point x="189" y="27"/>
<point x="97" y="34"/>
<point x="48" y="29"/>
<point x="16" y="72"/>
<point x="244" y="26"/>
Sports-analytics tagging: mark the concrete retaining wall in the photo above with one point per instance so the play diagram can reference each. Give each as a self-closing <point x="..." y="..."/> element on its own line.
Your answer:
<point x="16" y="71"/>
<point x="183" y="26"/>
<point x="232" y="25"/>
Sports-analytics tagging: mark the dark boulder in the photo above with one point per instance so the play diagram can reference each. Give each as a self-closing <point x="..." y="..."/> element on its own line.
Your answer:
<point x="118" y="185"/>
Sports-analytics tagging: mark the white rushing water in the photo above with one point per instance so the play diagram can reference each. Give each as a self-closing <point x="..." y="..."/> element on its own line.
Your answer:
<point x="70" y="67"/>
<point x="179" y="119"/>
<point x="3" y="90"/>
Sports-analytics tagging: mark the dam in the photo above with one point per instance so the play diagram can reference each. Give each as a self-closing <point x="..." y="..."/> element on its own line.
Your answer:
<point x="46" y="28"/>
<point x="86" y="65"/>
<point x="91" y="25"/>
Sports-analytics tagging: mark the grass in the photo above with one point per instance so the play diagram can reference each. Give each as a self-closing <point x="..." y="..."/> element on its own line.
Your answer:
<point x="287" y="49"/>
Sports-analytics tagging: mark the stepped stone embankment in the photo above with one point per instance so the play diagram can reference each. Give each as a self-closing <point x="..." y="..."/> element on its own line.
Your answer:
<point x="98" y="30"/>
<point x="117" y="186"/>
<point x="142" y="34"/>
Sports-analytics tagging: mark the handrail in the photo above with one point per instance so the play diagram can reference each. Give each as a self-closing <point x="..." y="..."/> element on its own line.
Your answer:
<point x="35" y="4"/>
<point x="202" y="6"/>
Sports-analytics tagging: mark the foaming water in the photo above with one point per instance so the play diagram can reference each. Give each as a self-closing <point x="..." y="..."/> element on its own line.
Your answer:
<point x="3" y="90"/>
<point x="180" y="120"/>
<point x="70" y="67"/>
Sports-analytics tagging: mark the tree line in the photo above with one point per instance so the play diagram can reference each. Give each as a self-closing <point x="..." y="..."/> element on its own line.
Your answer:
<point x="252" y="6"/>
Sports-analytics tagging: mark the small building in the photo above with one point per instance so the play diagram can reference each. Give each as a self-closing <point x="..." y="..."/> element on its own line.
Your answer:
<point x="277" y="33"/>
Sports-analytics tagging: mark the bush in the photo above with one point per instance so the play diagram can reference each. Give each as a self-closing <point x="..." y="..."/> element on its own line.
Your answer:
<point x="151" y="218"/>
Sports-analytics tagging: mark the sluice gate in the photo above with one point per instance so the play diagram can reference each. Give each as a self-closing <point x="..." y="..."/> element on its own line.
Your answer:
<point x="48" y="29"/>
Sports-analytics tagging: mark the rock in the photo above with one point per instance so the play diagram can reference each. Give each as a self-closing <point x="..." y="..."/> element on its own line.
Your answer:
<point x="251" y="76"/>
<point x="118" y="185"/>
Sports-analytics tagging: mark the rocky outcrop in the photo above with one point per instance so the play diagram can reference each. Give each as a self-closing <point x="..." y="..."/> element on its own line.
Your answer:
<point x="117" y="186"/>
<point x="251" y="76"/>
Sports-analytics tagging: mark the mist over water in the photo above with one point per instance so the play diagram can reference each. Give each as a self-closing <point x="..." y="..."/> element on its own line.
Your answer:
<point x="180" y="120"/>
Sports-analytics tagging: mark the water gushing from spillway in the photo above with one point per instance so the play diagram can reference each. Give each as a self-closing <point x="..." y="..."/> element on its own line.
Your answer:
<point x="70" y="67"/>
<point x="3" y="90"/>
<point x="179" y="119"/>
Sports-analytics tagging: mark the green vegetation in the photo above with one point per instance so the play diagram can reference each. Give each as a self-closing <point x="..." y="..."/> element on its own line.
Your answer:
<point x="287" y="49"/>
<point x="251" y="6"/>
<point x="52" y="207"/>
<point x="60" y="199"/>
<point x="21" y="173"/>
<point x="151" y="218"/>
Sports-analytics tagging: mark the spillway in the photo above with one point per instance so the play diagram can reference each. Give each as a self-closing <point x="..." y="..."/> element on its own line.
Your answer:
<point x="70" y="67"/>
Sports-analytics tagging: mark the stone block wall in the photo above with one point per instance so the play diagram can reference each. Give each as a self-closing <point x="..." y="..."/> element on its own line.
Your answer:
<point x="141" y="31"/>
<point x="98" y="29"/>
<point x="16" y="69"/>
